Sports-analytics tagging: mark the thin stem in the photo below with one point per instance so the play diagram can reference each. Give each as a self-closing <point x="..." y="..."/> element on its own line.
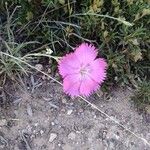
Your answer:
<point x="43" y="55"/>
<point x="104" y="16"/>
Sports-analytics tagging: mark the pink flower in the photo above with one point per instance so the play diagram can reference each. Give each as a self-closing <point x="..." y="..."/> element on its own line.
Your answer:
<point x="81" y="71"/>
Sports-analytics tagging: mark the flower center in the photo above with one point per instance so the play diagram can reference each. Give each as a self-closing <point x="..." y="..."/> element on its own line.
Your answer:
<point x="85" y="70"/>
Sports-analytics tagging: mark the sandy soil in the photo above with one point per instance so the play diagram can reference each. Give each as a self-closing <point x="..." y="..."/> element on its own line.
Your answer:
<point x="42" y="117"/>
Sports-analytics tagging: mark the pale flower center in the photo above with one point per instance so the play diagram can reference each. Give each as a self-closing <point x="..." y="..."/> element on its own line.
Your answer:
<point x="85" y="70"/>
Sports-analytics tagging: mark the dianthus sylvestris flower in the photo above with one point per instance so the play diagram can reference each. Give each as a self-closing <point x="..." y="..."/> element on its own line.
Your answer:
<point x="81" y="71"/>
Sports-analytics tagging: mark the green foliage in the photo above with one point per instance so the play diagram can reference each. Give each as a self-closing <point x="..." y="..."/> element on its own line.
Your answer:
<point x="9" y="50"/>
<point x="125" y="47"/>
<point x="142" y="95"/>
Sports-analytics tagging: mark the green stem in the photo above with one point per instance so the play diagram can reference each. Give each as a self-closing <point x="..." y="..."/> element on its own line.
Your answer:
<point x="106" y="16"/>
<point x="43" y="55"/>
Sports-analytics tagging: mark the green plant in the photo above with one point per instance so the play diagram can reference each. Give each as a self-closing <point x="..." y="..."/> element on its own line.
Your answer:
<point x="8" y="66"/>
<point x="126" y="47"/>
<point x="142" y="95"/>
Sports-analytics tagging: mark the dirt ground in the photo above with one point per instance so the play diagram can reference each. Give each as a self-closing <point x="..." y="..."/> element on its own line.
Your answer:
<point x="41" y="117"/>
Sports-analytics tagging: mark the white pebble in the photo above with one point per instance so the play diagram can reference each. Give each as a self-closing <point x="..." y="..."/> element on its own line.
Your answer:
<point x="3" y="122"/>
<point x="52" y="123"/>
<point x="41" y="132"/>
<point x="69" y="112"/>
<point x="36" y="124"/>
<point x="52" y="137"/>
<point x="72" y="136"/>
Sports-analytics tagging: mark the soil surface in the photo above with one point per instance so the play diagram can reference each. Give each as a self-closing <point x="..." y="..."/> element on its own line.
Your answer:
<point x="41" y="117"/>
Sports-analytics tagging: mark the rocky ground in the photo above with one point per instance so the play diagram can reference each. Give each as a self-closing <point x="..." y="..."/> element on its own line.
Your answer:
<point x="41" y="117"/>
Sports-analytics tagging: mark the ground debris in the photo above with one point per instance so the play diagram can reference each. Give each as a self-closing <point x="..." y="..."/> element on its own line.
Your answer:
<point x="72" y="136"/>
<point x="29" y="110"/>
<point x="52" y="137"/>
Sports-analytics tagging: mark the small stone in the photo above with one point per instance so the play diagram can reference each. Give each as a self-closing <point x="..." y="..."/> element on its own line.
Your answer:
<point x="69" y="112"/>
<point x="39" y="67"/>
<point x="72" y="136"/>
<point x="59" y="127"/>
<point x="3" y="122"/>
<point x="36" y="124"/>
<point x="52" y="137"/>
<point x="34" y="131"/>
<point x="41" y="132"/>
<point x="78" y="132"/>
<point x="32" y="136"/>
<point x="52" y="123"/>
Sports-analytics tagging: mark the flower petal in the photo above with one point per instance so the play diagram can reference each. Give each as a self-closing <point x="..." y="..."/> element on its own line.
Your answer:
<point x="68" y="65"/>
<point x="98" y="72"/>
<point x="88" y="86"/>
<point x="71" y="85"/>
<point x="86" y="53"/>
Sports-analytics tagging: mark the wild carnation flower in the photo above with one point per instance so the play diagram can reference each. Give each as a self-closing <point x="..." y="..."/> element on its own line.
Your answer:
<point x="81" y="71"/>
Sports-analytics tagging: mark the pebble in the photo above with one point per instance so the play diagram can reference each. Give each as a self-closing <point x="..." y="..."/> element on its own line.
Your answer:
<point x="78" y="132"/>
<point x="34" y="131"/>
<point x="36" y="124"/>
<point x="69" y="112"/>
<point x="52" y="123"/>
<point x="71" y="136"/>
<point x="41" y="132"/>
<point x="52" y="137"/>
<point x="3" y="122"/>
